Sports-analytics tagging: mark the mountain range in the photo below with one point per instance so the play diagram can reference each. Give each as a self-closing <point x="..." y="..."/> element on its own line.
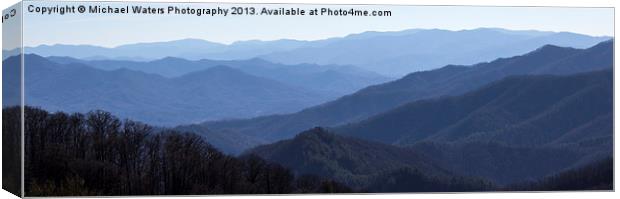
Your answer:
<point x="213" y="93"/>
<point x="450" y="80"/>
<point x="518" y="129"/>
<point x="332" y="80"/>
<point x="387" y="53"/>
<point x="516" y="110"/>
<point x="193" y="49"/>
<point x="396" y="55"/>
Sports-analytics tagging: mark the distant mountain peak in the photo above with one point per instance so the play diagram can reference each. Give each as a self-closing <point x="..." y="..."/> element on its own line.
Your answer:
<point x="550" y="49"/>
<point x="171" y="58"/>
<point x="33" y="58"/>
<point x="550" y="46"/>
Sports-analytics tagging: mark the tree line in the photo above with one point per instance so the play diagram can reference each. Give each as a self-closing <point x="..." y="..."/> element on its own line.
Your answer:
<point x="96" y="154"/>
<point x="598" y="175"/>
<point x="11" y="151"/>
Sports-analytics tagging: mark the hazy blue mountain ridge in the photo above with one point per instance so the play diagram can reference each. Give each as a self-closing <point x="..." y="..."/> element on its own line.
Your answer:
<point x="214" y="93"/>
<point x="396" y="55"/>
<point x="331" y="80"/>
<point x="447" y="81"/>
<point x="393" y="53"/>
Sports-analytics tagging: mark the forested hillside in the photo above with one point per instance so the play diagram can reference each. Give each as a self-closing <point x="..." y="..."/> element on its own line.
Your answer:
<point x="97" y="154"/>
<point x="365" y="165"/>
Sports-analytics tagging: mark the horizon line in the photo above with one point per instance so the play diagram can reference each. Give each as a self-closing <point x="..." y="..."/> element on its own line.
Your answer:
<point x="302" y="40"/>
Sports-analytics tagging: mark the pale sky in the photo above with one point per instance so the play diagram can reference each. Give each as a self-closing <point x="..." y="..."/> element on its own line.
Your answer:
<point x="113" y="30"/>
